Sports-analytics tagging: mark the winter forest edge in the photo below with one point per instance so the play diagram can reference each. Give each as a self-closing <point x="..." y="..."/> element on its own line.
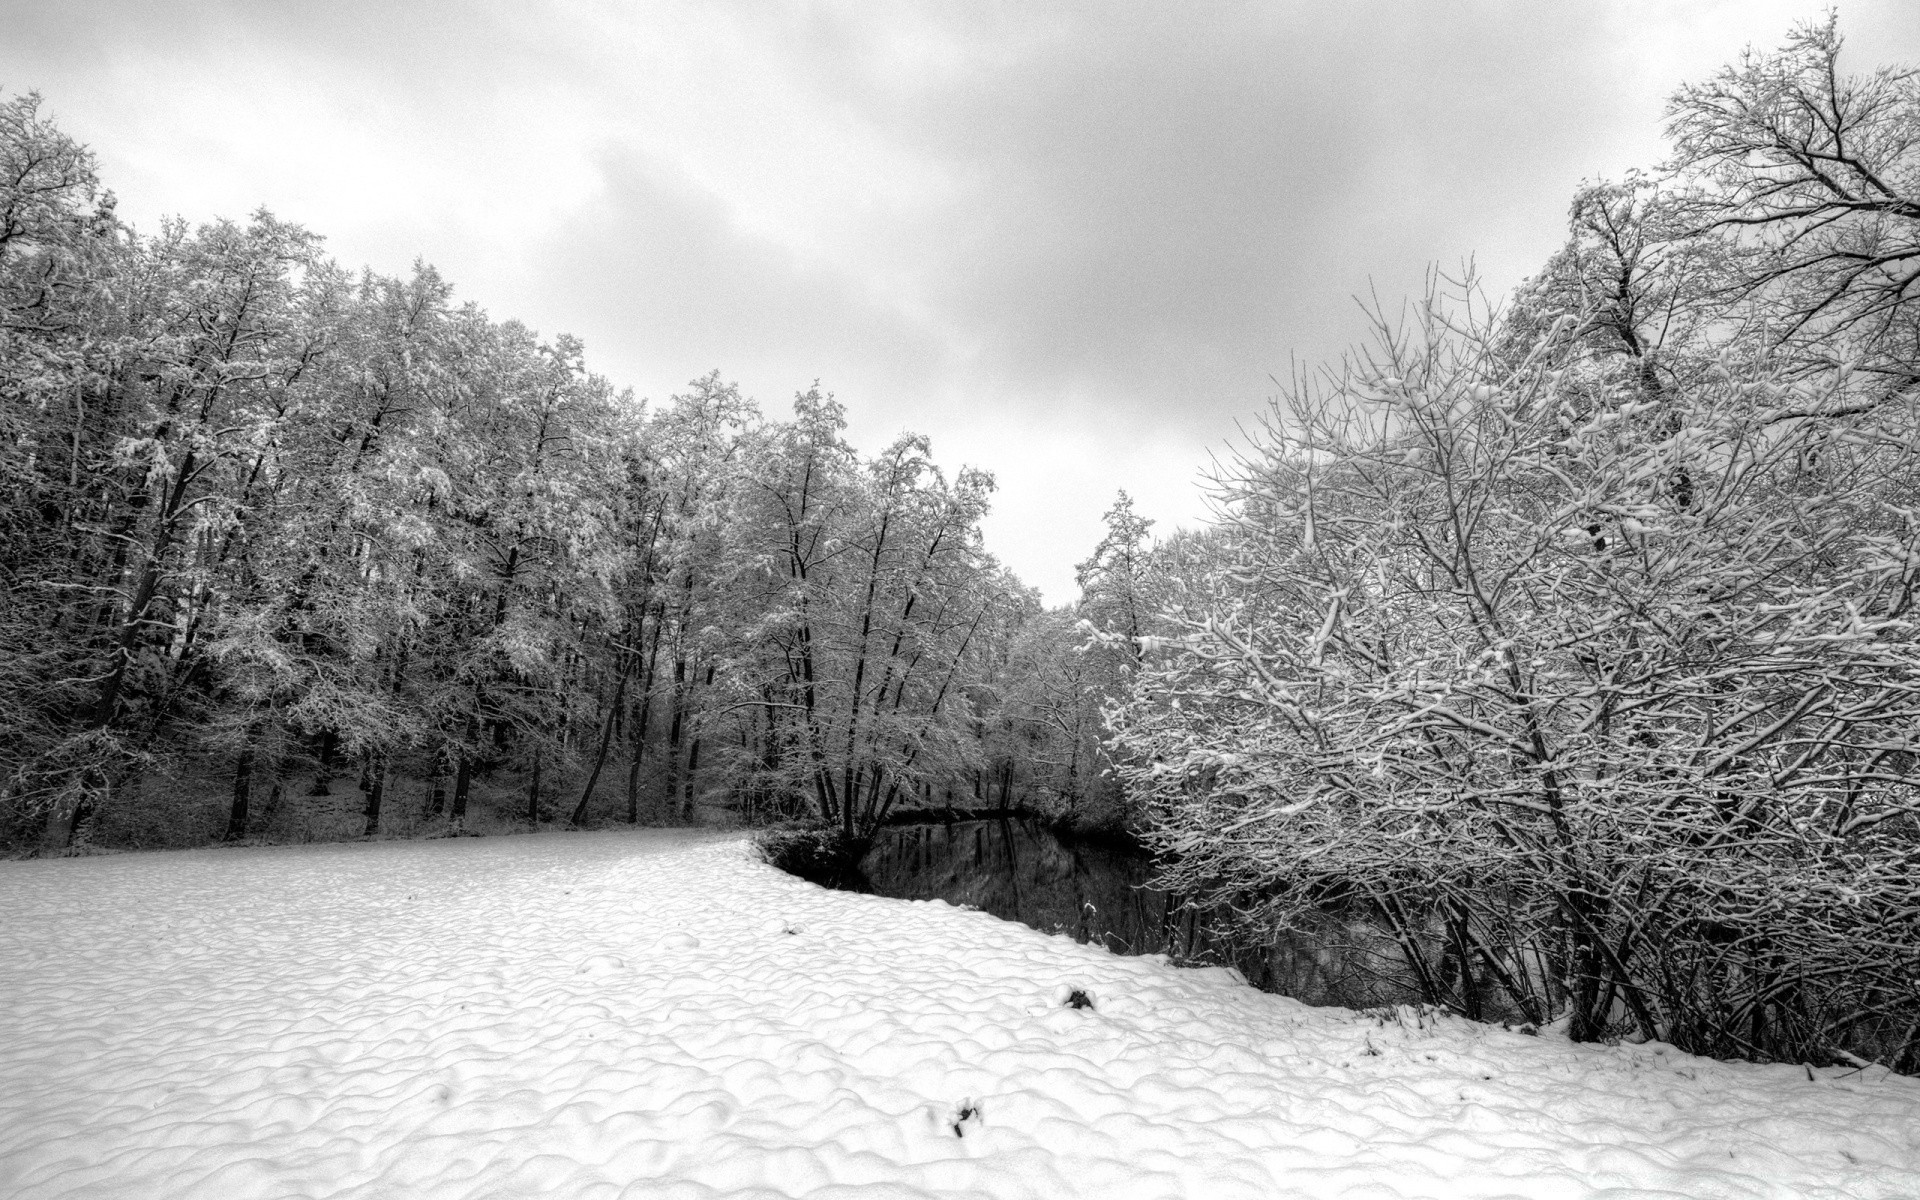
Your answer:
<point x="1572" y="639"/>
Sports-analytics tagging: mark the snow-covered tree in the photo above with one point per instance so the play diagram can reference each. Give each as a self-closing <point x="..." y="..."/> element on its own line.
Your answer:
<point x="1815" y="174"/>
<point x="1589" y="743"/>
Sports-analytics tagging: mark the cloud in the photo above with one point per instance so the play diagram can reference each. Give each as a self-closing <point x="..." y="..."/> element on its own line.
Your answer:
<point x="657" y="269"/>
<point x="1071" y="242"/>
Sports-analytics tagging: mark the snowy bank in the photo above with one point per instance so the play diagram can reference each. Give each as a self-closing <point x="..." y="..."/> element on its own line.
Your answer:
<point x="659" y="1015"/>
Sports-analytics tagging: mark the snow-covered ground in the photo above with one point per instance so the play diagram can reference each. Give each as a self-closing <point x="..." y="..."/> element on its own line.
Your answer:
<point x="659" y="1015"/>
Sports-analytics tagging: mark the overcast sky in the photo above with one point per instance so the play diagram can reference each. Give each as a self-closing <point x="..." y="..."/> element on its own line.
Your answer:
<point x="1072" y="242"/>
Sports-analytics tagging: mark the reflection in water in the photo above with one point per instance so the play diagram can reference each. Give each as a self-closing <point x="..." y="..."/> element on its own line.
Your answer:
<point x="1017" y="870"/>
<point x="1094" y="892"/>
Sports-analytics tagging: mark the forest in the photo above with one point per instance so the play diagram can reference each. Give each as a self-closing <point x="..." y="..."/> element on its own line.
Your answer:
<point x="358" y="558"/>
<point x="1568" y="637"/>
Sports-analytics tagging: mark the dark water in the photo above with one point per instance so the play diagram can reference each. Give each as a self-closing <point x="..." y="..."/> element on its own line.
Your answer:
<point x="1096" y="892"/>
<point x="1018" y="870"/>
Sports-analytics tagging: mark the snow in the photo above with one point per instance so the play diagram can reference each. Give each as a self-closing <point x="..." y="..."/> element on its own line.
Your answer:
<point x="658" y="1014"/>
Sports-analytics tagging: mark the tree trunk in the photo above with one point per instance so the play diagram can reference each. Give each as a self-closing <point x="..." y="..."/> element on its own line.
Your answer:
<point x="323" y="770"/>
<point x="242" y="793"/>
<point x="1585" y="963"/>
<point x="640" y="725"/>
<point x="376" y="785"/>
<point x="1073" y="780"/>
<point x="600" y="759"/>
<point x="62" y="818"/>
<point x="462" y="780"/>
<point x="686" y="784"/>
<point x="533" y="794"/>
<point x="674" y="727"/>
<point x="275" y="794"/>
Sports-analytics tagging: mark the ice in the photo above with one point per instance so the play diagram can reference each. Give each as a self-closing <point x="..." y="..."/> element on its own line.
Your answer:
<point x="658" y="1014"/>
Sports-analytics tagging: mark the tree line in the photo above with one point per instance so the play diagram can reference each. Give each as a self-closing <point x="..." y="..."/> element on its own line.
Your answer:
<point x="334" y="543"/>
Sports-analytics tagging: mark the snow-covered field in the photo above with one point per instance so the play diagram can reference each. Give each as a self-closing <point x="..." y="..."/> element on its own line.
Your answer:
<point x="659" y="1015"/>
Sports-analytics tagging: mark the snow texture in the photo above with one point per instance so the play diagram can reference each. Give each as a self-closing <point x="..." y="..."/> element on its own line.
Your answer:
<point x="660" y="1015"/>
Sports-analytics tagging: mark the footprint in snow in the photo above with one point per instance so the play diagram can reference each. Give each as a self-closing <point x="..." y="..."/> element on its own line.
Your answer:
<point x="678" y="941"/>
<point x="601" y="964"/>
<point x="779" y="926"/>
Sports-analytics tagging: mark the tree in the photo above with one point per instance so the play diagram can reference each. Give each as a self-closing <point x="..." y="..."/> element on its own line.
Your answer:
<point x="1054" y="687"/>
<point x="1113" y="582"/>
<point x="1818" y="175"/>
<point x="263" y="515"/>
<point x="59" y="247"/>
<point x="1584" y="744"/>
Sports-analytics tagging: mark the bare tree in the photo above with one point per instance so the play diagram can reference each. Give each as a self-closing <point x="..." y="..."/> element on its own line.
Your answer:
<point x="1818" y="174"/>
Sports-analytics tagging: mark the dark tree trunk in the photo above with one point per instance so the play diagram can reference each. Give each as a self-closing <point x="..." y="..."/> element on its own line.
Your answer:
<point x="693" y="755"/>
<point x="462" y="780"/>
<point x="686" y="792"/>
<point x="600" y="759"/>
<point x="242" y="793"/>
<point x="1586" y="963"/>
<point x="640" y="725"/>
<point x="323" y="771"/>
<point x="62" y="819"/>
<point x="674" y="726"/>
<point x="533" y="794"/>
<point x="376" y="785"/>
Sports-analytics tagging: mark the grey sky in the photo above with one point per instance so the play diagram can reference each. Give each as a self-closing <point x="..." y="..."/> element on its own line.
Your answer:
<point x="1069" y="241"/>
